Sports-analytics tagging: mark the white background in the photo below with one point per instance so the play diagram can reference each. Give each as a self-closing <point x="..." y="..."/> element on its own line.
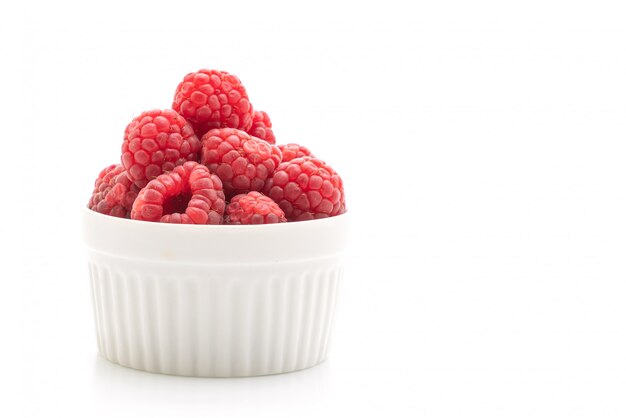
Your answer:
<point x="482" y="148"/>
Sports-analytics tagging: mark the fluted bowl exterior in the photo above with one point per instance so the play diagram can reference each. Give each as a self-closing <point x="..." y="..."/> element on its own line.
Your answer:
<point x="214" y="300"/>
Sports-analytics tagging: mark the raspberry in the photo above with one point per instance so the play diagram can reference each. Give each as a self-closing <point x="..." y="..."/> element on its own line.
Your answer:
<point x="253" y="208"/>
<point x="292" y="151"/>
<point x="262" y="127"/>
<point x="113" y="193"/>
<point x="155" y="142"/>
<point x="242" y="162"/>
<point x="306" y="188"/>
<point x="211" y="99"/>
<point x="189" y="194"/>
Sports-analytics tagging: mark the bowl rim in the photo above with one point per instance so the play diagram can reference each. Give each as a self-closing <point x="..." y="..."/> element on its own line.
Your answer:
<point x="214" y="244"/>
<point x="153" y="225"/>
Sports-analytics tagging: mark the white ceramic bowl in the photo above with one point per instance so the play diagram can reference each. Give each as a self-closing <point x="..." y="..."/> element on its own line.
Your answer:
<point x="214" y="300"/>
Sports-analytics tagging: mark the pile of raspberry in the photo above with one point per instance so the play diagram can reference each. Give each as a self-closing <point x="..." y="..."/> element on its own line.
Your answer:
<point x="213" y="159"/>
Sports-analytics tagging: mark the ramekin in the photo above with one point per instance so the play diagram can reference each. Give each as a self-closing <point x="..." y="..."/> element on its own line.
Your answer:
<point x="214" y="300"/>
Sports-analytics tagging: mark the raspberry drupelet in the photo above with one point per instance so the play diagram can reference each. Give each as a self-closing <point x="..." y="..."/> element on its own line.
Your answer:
<point x="242" y="162"/>
<point x="189" y="194"/>
<point x="253" y="208"/>
<point x="306" y="188"/>
<point x="156" y="141"/>
<point x="211" y="99"/>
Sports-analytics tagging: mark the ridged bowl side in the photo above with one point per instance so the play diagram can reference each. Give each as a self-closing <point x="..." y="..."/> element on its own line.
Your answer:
<point x="214" y="321"/>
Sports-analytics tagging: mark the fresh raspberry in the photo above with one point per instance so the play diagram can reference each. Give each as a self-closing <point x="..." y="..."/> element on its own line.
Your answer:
<point x="307" y="188"/>
<point x="253" y="208"/>
<point x="242" y="162"/>
<point x="211" y="99"/>
<point x="262" y="127"/>
<point x="292" y="151"/>
<point x="155" y="142"/>
<point x="113" y="193"/>
<point x="189" y="194"/>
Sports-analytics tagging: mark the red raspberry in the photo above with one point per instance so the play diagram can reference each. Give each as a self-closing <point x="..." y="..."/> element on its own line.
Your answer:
<point x="242" y="162"/>
<point x="155" y="142"/>
<point x="262" y="127"/>
<point x="307" y="188"/>
<point x="292" y="151"/>
<point x="189" y="194"/>
<point x="211" y="99"/>
<point x="113" y="193"/>
<point x="253" y="208"/>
